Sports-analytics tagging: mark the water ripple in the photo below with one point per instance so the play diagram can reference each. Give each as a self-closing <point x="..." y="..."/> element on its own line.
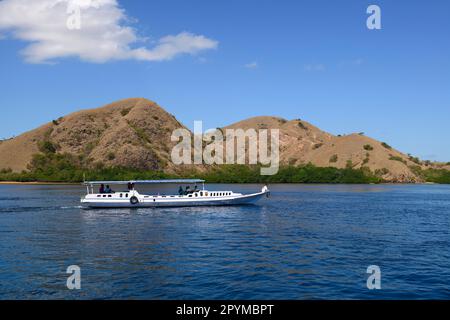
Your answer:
<point x="305" y="242"/>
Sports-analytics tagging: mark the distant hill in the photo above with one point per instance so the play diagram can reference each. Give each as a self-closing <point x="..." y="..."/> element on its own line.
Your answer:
<point x="302" y="143"/>
<point x="135" y="133"/>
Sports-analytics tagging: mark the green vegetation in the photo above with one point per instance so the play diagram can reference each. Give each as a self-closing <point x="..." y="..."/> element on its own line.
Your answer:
<point x="381" y="172"/>
<point x="46" y="146"/>
<point x="111" y="156"/>
<point x="437" y="176"/>
<point x="432" y="175"/>
<point x="397" y="158"/>
<point x="416" y="160"/>
<point x="289" y="174"/>
<point x="124" y="112"/>
<point x="317" y="146"/>
<point x="334" y="158"/>
<point x="57" y="167"/>
<point x="54" y="167"/>
<point x="349" y="164"/>
<point x="427" y="163"/>
<point x="139" y="132"/>
<point x="368" y="147"/>
<point x="384" y="144"/>
<point x="366" y="159"/>
<point x="302" y="126"/>
<point x="63" y="168"/>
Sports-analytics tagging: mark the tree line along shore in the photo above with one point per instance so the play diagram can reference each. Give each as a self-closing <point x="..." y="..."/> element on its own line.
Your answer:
<point x="60" y="169"/>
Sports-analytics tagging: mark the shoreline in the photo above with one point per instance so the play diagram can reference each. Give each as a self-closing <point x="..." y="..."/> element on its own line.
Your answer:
<point x="37" y="183"/>
<point x="80" y="183"/>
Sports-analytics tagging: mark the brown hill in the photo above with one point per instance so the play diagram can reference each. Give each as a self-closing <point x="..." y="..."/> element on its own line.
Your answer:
<point x="135" y="133"/>
<point x="302" y="143"/>
<point x="132" y="133"/>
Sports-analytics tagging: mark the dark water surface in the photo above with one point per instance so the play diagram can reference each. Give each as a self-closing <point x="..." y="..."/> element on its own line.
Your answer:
<point x="305" y="242"/>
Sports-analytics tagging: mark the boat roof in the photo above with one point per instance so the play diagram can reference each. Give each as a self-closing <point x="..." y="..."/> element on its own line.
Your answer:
<point x="179" y="181"/>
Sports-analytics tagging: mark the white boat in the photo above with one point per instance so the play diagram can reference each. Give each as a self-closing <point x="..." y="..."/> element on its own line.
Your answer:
<point x="131" y="198"/>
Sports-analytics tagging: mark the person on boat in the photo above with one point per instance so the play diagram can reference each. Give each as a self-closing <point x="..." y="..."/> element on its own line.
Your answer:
<point x="180" y="191"/>
<point x="196" y="189"/>
<point x="188" y="190"/>
<point x="108" y="189"/>
<point x="130" y="186"/>
<point x="101" y="189"/>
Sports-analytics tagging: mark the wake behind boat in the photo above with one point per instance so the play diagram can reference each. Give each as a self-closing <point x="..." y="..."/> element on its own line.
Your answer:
<point x="131" y="198"/>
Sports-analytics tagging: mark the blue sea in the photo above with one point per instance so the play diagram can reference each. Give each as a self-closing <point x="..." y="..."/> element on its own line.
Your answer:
<point x="304" y="242"/>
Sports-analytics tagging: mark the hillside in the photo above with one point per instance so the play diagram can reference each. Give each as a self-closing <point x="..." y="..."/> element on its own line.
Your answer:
<point x="135" y="134"/>
<point x="302" y="143"/>
<point x="132" y="133"/>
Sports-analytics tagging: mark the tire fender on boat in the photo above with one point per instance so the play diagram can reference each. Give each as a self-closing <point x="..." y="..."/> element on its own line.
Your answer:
<point x="134" y="200"/>
<point x="266" y="190"/>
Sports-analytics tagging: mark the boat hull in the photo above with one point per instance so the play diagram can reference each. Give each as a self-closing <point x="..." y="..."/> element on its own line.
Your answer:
<point x="174" y="202"/>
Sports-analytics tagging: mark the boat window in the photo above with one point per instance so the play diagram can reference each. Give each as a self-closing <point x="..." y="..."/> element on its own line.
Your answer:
<point x="126" y="195"/>
<point x="104" y="196"/>
<point x="206" y="194"/>
<point x="196" y="194"/>
<point x="99" y="196"/>
<point x="201" y="194"/>
<point x="190" y="196"/>
<point x="121" y="195"/>
<point x="109" y="196"/>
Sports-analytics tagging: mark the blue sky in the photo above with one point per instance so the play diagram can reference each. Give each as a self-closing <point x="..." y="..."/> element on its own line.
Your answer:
<point x="314" y="60"/>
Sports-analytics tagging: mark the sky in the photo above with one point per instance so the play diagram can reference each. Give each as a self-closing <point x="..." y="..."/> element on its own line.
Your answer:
<point x="224" y="61"/>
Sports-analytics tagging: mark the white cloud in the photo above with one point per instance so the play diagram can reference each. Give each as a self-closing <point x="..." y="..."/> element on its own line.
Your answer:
<point x="103" y="35"/>
<point x="252" y="65"/>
